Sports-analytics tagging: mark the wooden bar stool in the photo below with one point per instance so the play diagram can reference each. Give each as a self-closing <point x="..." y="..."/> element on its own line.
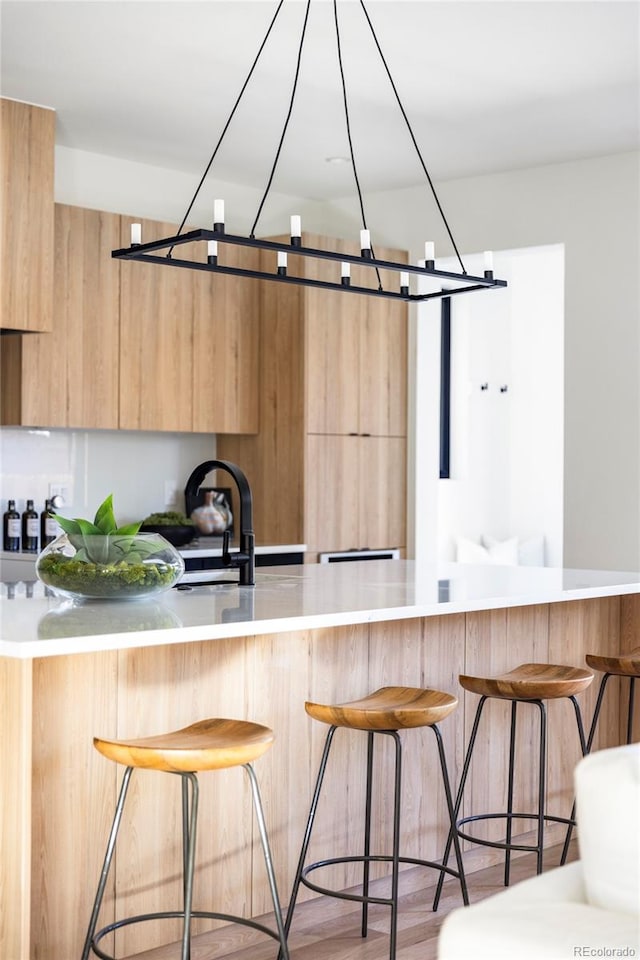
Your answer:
<point x="529" y="683"/>
<point x="626" y="665"/>
<point x="206" y="745"/>
<point x="386" y="711"/>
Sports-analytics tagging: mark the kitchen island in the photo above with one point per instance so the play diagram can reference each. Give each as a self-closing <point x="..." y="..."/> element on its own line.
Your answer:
<point x="327" y="632"/>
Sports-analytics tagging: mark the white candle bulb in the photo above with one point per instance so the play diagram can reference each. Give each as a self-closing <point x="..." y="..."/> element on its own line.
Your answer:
<point x="345" y="270"/>
<point x="365" y="240"/>
<point x="136" y="233"/>
<point x="296" y="226"/>
<point x="429" y="250"/>
<point x="404" y="279"/>
<point x="488" y="259"/>
<point x="282" y="259"/>
<point x="212" y="248"/>
<point x="218" y="211"/>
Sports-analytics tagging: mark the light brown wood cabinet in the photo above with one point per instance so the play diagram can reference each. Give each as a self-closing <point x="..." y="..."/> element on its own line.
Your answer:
<point x="188" y="343"/>
<point x="135" y="346"/>
<point x="70" y="377"/>
<point x="355" y="492"/>
<point x="329" y="462"/>
<point x="156" y="340"/>
<point x="27" y="134"/>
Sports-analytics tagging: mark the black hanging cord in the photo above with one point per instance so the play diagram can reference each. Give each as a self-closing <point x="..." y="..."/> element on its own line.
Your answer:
<point x="286" y="122"/>
<point x="348" y="125"/>
<point x="406" y="120"/>
<point x="226" y="126"/>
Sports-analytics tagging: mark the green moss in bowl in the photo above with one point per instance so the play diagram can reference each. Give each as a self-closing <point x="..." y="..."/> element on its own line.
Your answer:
<point x="172" y="525"/>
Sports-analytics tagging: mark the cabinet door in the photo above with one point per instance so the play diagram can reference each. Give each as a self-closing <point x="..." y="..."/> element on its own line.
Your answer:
<point x="27" y="135"/>
<point x="382" y="492"/>
<point x="333" y="322"/>
<point x="226" y="330"/>
<point x="332" y="494"/>
<point x="383" y="369"/>
<point x="156" y="340"/>
<point x="69" y="377"/>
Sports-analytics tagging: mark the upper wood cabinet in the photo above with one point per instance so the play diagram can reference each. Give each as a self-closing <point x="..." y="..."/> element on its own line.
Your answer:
<point x="188" y="343"/>
<point x="135" y="346"/>
<point x="28" y="135"/>
<point x="70" y="378"/>
<point x="356" y="350"/>
<point x="156" y="340"/>
<point x="226" y="332"/>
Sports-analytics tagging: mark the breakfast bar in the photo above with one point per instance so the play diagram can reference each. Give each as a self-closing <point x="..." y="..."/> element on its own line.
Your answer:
<point x="326" y="632"/>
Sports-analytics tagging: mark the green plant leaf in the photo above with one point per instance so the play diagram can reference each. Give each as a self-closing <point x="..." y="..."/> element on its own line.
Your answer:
<point x="129" y="530"/>
<point x="89" y="529"/>
<point x="69" y="526"/>
<point x="105" y="520"/>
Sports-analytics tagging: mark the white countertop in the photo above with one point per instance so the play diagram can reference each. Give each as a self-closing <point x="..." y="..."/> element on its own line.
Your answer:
<point x="287" y="598"/>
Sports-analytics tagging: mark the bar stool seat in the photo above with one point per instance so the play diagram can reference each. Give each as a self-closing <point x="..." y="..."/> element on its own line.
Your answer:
<point x="624" y="665"/>
<point x="532" y="683"/>
<point x="384" y="712"/>
<point x="390" y="708"/>
<point x="212" y="744"/>
<point x="205" y="745"/>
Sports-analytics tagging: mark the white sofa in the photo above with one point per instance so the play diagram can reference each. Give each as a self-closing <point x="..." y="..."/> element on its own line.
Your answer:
<point x="590" y="908"/>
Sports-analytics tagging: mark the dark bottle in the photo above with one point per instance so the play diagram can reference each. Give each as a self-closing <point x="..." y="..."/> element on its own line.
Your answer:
<point x="30" y="529"/>
<point x="48" y="525"/>
<point x="11" y="528"/>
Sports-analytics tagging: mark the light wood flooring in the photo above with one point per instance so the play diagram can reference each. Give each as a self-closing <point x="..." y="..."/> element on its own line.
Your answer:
<point x="327" y="929"/>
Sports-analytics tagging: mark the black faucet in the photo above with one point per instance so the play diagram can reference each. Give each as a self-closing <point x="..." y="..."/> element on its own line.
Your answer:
<point x="244" y="558"/>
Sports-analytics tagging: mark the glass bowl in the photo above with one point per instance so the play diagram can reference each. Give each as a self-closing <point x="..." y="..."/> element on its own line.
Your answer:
<point x="110" y="567"/>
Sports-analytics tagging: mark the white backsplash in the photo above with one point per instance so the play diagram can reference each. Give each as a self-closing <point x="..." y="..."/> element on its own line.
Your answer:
<point x="145" y="472"/>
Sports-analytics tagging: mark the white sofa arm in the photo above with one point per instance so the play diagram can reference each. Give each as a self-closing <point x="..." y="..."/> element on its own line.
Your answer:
<point x="608" y="815"/>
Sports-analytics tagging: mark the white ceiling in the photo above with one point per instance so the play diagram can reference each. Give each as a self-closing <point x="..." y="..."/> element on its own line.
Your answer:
<point x="488" y="86"/>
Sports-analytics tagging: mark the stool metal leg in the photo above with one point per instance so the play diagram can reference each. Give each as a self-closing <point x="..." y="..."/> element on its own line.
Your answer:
<point x="367" y="834"/>
<point x="111" y="843"/>
<point x="395" y="872"/>
<point x="585" y="746"/>
<point x="191" y="858"/>
<point x="307" y="833"/>
<point x="465" y="771"/>
<point x="451" y="811"/>
<point x="257" y="805"/>
<point x="630" y="713"/>
<point x="542" y="768"/>
<point x="512" y="752"/>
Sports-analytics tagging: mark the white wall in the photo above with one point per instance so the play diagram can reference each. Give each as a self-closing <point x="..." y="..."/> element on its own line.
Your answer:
<point x="144" y="471"/>
<point x="506" y="476"/>
<point x="591" y="207"/>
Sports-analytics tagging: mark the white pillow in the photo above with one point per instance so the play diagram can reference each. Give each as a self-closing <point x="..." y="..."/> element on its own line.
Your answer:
<point x="499" y="552"/>
<point x="530" y="552"/>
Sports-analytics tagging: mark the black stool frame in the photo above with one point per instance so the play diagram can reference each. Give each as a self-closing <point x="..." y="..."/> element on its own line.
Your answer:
<point x="590" y="739"/>
<point x="302" y="872"/>
<point x="507" y="845"/>
<point x="189" y="823"/>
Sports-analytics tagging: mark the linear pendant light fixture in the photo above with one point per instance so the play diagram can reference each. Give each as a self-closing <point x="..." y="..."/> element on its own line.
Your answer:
<point x="396" y="285"/>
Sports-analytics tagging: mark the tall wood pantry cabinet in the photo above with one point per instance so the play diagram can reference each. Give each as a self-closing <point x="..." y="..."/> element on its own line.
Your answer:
<point x="328" y="466"/>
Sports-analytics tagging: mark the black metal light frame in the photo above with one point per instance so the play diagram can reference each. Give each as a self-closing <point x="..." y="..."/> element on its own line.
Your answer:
<point x="149" y="252"/>
<point x="146" y="252"/>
